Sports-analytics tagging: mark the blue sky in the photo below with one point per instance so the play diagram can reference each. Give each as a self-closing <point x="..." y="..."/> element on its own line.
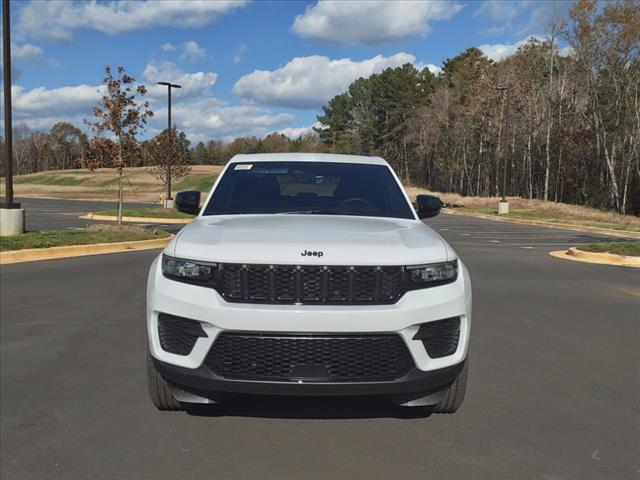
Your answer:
<point x="247" y="68"/>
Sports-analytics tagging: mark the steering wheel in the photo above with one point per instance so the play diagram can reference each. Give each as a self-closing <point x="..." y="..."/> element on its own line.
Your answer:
<point x="362" y="201"/>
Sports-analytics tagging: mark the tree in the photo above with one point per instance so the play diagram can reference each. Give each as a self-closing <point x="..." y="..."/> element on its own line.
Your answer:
<point x="274" y="143"/>
<point x="169" y="149"/>
<point x="607" y="49"/>
<point x="200" y="154"/>
<point x="119" y="114"/>
<point x="574" y="121"/>
<point x="68" y="144"/>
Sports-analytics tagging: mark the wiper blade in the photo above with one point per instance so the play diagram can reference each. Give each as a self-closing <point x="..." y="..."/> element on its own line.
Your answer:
<point x="310" y="212"/>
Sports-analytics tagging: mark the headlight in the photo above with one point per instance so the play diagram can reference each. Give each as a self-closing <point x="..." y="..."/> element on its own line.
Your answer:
<point x="190" y="271"/>
<point x="435" y="274"/>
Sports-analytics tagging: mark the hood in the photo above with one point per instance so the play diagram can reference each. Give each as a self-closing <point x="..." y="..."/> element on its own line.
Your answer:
<point x="309" y="240"/>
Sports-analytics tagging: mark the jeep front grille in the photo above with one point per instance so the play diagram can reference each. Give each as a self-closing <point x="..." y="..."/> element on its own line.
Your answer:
<point x="310" y="284"/>
<point x="322" y="358"/>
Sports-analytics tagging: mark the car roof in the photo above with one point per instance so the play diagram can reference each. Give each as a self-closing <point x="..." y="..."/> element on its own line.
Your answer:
<point x="307" y="157"/>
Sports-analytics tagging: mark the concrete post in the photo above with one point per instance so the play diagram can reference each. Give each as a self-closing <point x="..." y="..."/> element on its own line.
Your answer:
<point x="11" y="221"/>
<point x="503" y="207"/>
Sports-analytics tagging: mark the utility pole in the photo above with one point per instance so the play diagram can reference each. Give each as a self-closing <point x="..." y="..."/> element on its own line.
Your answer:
<point x="11" y="215"/>
<point x="503" y="206"/>
<point x="169" y="86"/>
<point x="8" y="127"/>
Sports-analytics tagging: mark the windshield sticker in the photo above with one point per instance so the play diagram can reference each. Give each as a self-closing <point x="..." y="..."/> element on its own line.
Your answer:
<point x="243" y="166"/>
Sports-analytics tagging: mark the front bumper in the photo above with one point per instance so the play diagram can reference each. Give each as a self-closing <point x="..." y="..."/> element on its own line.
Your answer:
<point x="201" y="382"/>
<point x="216" y="315"/>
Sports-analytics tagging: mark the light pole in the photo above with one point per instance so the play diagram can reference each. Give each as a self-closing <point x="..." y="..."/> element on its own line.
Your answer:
<point x="169" y="86"/>
<point x="503" y="206"/>
<point x="11" y="215"/>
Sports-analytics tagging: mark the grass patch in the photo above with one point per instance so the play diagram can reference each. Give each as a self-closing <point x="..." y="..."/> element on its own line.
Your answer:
<point x="630" y="249"/>
<point x="533" y="209"/>
<point x="200" y="182"/>
<point x="59" y="238"/>
<point x="146" y="212"/>
<point x="625" y="224"/>
<point x="49" y="180"/>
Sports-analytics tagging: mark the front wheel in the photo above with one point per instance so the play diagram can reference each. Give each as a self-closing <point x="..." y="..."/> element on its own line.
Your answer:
<point x="454" y="395"/>
<point x="159" y="390"/>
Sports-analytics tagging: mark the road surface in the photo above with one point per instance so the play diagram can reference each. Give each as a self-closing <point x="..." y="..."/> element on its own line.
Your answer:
<point x="554" y="388"/>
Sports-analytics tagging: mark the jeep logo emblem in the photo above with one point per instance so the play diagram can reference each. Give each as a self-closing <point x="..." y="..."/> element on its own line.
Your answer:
<point x="308" y="253"/>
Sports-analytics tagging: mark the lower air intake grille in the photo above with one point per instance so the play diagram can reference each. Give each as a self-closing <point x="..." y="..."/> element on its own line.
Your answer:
<point x="328" y="358"/>
<point x="178" y="335"/>
<point x="440" y="338"/>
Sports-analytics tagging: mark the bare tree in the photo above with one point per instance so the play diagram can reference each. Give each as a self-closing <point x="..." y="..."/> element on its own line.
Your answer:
<point x="169" y="149"/>
<point x="119" y="114"/>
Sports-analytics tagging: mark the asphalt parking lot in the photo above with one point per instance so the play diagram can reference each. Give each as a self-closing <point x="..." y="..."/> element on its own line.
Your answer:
<point x="54" y="214"/>
<point x="483" y="235"/>
<point x="554" y="387"/>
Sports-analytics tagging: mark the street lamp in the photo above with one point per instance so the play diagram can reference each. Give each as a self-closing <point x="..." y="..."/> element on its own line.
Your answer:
<point x="169" y="86"/>
<point x="11" y="215"/>
<point x="503" y="205"/>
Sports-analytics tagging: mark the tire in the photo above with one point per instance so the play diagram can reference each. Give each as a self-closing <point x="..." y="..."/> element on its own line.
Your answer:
<point x="454" y="395"/>
<point x="159" y="389"/>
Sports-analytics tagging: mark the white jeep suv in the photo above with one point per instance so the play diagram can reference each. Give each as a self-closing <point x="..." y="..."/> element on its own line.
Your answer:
<point x="308" y="274"/>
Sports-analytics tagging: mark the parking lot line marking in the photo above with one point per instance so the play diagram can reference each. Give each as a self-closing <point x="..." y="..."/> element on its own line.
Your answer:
<point x="508" y="233"/>
<point x="540" y="244"/>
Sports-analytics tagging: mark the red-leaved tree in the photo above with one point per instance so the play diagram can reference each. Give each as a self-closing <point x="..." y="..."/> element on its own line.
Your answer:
<point x="123" y="117"/>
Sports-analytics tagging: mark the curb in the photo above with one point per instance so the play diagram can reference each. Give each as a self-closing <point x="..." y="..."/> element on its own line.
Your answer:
<point x="52" y="253"/>
<point x="155" y="220"/>
<point x="596" y="257"/>
<point x="564" y="226"/>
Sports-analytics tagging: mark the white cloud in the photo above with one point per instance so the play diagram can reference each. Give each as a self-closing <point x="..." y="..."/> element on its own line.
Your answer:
<point x="497" y="29"/>
<point x="29" y="52"/>
<point x="56" y="100"/>
<point x="309" y="82"/>
<point x="202" y="119"/>
<point x="40" y="107"/>
<point x="501" y="10"/>
<point x="195" y="110"/>
<point x="57" y="20"/>
<point x="192" y="51"/>
<point x="435" y="69"/>
<point x="238" y="55"/>
<point x="500" y="51"/>
<point x="521" y="17"/>
<point x="210" y="118"/>
<point x="193" y="84"/>
<point x="25" y="51"/>
<point x="370" y="22"/>
<point x="296" y="132"/>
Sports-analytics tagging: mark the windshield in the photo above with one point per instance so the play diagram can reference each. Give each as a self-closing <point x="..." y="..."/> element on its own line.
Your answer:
<point x="321" y="188"/>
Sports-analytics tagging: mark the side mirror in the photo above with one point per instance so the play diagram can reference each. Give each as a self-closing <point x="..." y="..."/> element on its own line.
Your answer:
<point x="428" y="206"/>
<point x="188" y="202"/>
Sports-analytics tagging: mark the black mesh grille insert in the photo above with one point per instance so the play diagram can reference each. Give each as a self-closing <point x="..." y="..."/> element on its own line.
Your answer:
<point x="440" y="338"/>
<point x="329" y="358"/>
<point x="232" y="280"/>
<point x="310" y="284"/>
<point x="178" y="335"/>
<point x="284" y="281"/>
